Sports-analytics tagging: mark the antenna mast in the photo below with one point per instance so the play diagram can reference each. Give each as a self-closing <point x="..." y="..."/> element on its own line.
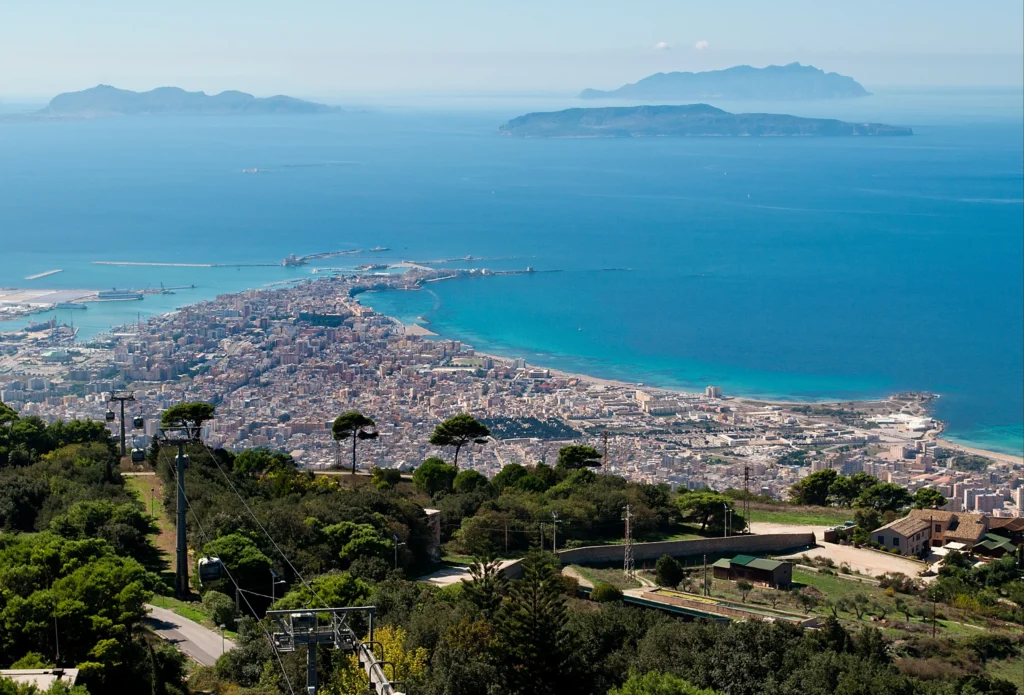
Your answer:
<point x="628" y="566"/>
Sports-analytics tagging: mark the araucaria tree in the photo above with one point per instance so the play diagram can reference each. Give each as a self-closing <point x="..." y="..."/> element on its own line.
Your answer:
<point x="535" y="642"/>
<point x="355" y="426"/>
<point x="458" y="431"/>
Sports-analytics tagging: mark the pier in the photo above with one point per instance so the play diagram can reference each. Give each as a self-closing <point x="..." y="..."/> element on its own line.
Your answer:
<point x="43" y="275"/>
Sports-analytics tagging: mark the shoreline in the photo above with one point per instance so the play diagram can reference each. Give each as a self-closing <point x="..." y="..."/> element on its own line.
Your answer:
<point x="999" y="456"/>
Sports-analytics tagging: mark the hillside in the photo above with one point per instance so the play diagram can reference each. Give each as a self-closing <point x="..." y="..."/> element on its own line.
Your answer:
<point x="104" y="100"/>
<point x="791" y="82"/>
<point x="695" y="120"/>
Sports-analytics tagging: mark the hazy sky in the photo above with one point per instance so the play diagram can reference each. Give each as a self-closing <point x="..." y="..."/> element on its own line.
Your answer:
<point x="338" y="49"/>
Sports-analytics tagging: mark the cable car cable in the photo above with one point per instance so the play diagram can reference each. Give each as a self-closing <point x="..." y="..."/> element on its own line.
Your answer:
<point x="238" y="588"/>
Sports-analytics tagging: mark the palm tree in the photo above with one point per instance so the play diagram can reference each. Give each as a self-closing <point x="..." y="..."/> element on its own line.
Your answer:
<point x="355" y="425"/>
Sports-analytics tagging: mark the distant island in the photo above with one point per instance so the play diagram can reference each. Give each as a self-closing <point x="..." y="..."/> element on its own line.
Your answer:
<point x="104" y="100"/>
<point x="695" y="120"/>
<point x="789" y="82"/>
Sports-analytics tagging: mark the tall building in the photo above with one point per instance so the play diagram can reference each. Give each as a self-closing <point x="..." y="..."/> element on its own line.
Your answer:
<point x="713" y="392"/>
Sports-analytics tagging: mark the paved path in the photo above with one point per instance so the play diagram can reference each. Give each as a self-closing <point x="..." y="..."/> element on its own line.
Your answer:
<point x="762" y="528"/>
<point x="200" y="643"/>
<point x="870" y="562"/>
<point x="454" y="574"/>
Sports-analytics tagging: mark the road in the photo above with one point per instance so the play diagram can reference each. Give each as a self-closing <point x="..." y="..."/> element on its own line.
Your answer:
<point x="194" y="640"/>
<point x="454" y="574"/>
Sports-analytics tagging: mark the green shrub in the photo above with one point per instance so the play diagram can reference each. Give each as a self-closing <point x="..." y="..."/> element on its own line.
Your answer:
<point x="605" y="593"/>
<point x="220" y="608"/>
<point x="386" y="478"/>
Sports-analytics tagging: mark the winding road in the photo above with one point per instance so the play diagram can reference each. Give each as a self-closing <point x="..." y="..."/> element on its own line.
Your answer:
<point x="199" y="643"/>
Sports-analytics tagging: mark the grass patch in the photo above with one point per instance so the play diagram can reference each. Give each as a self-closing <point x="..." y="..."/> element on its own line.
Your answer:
<point x="800" y="516"/>
<point x="606" y="576"/>
<point x="1011" y="669"/>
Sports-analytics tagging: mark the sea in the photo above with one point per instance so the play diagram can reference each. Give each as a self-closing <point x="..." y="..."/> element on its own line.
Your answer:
<point x="778" y="268"/>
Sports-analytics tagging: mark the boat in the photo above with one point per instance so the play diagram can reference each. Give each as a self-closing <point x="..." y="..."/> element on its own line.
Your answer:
<point x="116" y="295"/>
<point x="380" y="248"/>
<point x="36" y="326"/>
<point x="70" y="305"/>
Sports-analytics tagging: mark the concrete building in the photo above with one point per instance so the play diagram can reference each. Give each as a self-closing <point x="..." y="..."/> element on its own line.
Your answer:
<point x="909" y="535"/>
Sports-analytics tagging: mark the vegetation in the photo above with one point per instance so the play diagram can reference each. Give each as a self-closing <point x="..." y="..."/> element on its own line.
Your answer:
<point x="355" y="426"/>
<point x="77" y="565"/>
<point x="458" y="431"/>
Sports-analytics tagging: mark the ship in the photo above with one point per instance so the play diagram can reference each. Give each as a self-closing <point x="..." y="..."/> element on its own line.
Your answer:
<point x="293" y="261"/>
<point x="69" y="305"/>
<point x="372" y="266"/>
<point x="37" y="326"/>
<point x="380" y="248"/>
<point x="116" y="295"/>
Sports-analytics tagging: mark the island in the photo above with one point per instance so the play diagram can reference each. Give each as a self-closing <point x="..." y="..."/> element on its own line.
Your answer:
<point x="104" y="100"/>
<point x="789" y="82"/>
<point x="694" y="120"/>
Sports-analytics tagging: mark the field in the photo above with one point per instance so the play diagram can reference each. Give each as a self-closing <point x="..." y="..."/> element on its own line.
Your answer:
<point x="149" y="489"/>
<point x="798" y="516"/>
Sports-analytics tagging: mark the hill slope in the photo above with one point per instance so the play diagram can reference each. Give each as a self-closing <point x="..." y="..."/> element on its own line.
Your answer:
<point x="793" y="81"/>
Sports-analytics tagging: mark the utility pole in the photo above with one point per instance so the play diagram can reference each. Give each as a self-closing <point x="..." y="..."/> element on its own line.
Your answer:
<point x="628" y="565"/>
<point x="604" y="459"/>
<point x="122" y="396"/>
<point x="704" y="586"/>
<point x="180" y="436"/>
<point x="746" y="496"/>
<point x="554" y="532"/>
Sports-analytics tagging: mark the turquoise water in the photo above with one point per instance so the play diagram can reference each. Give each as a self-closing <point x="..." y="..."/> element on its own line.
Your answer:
<point x="777" y="268"/>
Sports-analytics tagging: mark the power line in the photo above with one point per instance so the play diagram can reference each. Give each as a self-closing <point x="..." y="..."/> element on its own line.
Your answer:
<point x="239" y="589"/>
<point x="262" y="528"/>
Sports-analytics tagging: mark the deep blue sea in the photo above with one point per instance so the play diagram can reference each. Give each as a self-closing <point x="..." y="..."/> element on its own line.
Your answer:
<point x="789" y="268"/>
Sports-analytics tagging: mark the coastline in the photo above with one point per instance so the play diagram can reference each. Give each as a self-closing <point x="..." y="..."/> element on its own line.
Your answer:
<point x="1001" y="457"/>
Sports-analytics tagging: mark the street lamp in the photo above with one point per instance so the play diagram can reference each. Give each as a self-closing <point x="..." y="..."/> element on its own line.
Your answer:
<point x="554" y="532"/>
<point x="221" y="640"/>
<point x="275" y="579"/>
<point x="398" y="543"/>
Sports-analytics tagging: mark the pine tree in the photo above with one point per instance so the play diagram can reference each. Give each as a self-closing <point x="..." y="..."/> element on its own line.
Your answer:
<point x="535" y="651"/>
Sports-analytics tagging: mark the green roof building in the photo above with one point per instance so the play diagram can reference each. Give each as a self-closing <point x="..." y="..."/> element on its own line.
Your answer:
<point x="756" y="570"/>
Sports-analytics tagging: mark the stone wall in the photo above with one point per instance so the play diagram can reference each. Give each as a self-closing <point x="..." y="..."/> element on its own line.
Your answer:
<point x="649" y="552"/>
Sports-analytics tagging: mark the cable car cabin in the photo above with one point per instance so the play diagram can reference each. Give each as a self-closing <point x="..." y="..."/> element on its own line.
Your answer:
<point x="138" y="455"/>
<point x="110" y="417"/>
<point x="138" y="422"/>
<point x="210" y="569"/>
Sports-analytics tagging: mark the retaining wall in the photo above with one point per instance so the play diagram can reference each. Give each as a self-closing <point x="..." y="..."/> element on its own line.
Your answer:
<point x="642" y="552"/>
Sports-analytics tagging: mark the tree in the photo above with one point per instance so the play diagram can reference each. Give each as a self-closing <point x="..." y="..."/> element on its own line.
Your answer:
<point x="814" y="489"/>
<point x="434" y="475"/>
<point x="406" y="663"/>
<point x="458" y="431"/>
<point x="191" y="415"/>
<point x="703" y="507"/>
<point x="469" y="481"/>
<point x="338" y="589"/>
<point x="386" y="478"/>
<point x="535" y="648"/>
<point x="668" y="571"/>
<point x="487" y="586"/>
<point x="356" y="426"/>
<point x="867" y="519"/>
<point x="255" y="462"/>
<point x="576" y="456"/>
<point x="655" y="683"/>
<point x="884" y="497"/>
<point x="929" y="498"/>
<point x="248" y="565"/>
<point x="744" y="587"/>
<point x="904" y="607"/>
<point x="509" y="475"/>
<point x="220" y="608"/>
<point x="860" y="604"/>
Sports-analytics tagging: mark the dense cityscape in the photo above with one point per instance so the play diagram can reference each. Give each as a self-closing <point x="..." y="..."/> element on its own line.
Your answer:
<point x="281" y="364"/>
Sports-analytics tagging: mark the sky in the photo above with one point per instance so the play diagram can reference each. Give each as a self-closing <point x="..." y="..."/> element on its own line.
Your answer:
<point x="340" y="49"/>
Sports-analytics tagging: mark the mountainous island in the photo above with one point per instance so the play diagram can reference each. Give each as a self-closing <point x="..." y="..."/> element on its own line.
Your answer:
<point x="104" y="100"/>
<point x="790" y="82"/>
<point x="694" y="120"/>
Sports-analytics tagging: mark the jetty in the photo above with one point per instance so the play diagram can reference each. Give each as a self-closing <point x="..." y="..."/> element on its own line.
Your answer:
<point x="43" y="275"/>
